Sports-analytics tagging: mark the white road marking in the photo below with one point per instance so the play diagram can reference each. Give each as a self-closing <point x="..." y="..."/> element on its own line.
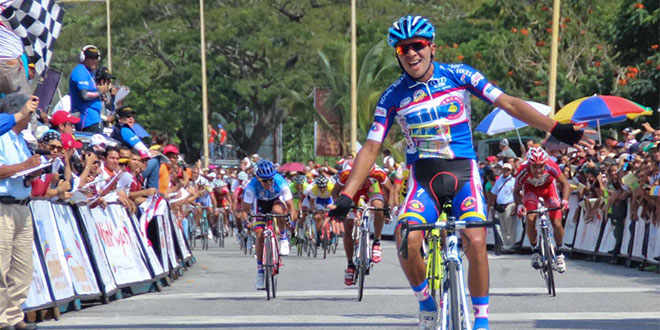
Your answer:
<point x="385" y="292"/>
<point x="352" y="319"/>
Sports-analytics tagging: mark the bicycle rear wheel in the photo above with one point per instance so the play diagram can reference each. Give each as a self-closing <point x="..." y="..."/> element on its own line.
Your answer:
<point x="454" y="308"/>
<point x="548" y="256"/>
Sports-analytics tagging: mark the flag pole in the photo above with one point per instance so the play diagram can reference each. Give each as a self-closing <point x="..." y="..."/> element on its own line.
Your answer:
<point x="554" y="50"/>
<point x="353" y="147"/>
<point x="205" y="132"/>
<point x="109" y="35"/>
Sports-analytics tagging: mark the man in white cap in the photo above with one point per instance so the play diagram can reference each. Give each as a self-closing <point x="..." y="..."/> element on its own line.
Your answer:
<point x="505" y="150"/>
<point x="505" y="206"/>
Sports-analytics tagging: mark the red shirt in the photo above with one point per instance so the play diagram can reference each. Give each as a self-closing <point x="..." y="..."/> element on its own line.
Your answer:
<point x="525" y="178"/>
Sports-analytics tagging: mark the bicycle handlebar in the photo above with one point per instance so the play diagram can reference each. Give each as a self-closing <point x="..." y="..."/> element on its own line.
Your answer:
<point x="543" y="210"/>
<point x="406" y="228"/>
<point x="264" y="215"/>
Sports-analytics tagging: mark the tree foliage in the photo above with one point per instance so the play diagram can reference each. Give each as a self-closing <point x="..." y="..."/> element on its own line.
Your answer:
<point x="264" y="57"/>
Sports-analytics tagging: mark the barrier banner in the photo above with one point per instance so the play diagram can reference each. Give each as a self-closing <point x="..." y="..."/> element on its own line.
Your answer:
<point x="125" y="229"/>
<point x="653" y="244"/>
<point x="627" y="233"/>
<point x="166" y="228"/>
<point x="38" y="295"/>
<point x="587" y="233"/>
<point x="84" y="281"/>
<point x="162" y="244"/>
<point x="152" y="258"/>
<point x="571" y="222"/>
<point x="638" y="239"/>
<point x="125" y="262"/>
<point x="52" y="250"/>
<point x="178" y="236"/>
<point x="608" y="242"/>
<point x="98" y="253"/>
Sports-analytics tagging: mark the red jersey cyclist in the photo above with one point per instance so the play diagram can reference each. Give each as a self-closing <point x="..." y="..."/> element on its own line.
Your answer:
<point x="536" y="178"/>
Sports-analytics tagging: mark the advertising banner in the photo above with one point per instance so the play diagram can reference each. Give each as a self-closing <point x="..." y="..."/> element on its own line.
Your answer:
<point x="98" y="253"/>
<point x="80" y="267"/>
<point x="152" y="258"/>
<point x="587" y="233"/>
<point x="125" y="262"/>
<point x="638" y="240"/>
<point x="162" y="244"/>
<point x="124" y="224"/>
<point x="166" y="228"/>
<point x="571" y="221"/>
<point x="627" y="233"/>
<point x="178" y="236"/>
<point x="608" y="242"/>
<point x="52" y="250"/>
<point x="38" y="295"/>
<point x="654" y="238"/>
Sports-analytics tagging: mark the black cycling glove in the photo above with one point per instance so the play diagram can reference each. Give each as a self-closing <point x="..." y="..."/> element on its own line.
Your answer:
<point x="567" y="133"/>
<point x="343" y="204"/>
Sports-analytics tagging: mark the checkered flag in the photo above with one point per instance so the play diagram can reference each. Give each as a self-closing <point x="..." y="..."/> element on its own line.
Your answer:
<point x="38" y="23"/>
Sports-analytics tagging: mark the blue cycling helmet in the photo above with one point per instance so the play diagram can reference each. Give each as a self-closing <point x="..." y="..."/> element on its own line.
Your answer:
<point x="408" y="27"/>
<point x="265" y="169"/>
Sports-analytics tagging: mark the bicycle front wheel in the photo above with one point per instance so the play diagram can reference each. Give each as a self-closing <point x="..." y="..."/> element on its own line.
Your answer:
<point x="548" y="256"/>
<point x="454" y="293"/>
<point x="434" y="270"/>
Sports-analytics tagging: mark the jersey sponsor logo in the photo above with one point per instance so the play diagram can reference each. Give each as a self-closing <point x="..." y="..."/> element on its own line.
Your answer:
<point x="438" y="83"/>
<point x="380" y="112"/>
<point x="476" y="78"/>
<point x="419" y="95"/>
<point x="455" y="108"/>
<point x="416" y="206"/>
<point x="468" y="203"/>
<point x="405" y="102"/>
<point x="376" y="132"/>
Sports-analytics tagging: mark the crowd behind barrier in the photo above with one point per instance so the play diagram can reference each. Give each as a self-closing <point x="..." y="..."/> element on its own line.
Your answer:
<point x="91" y="254"/>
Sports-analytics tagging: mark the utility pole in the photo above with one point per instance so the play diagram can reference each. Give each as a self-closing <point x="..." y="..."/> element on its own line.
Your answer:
<point x="205" y="120"/>
<point x="353" y="79"/>
<point x="554" y="53"/>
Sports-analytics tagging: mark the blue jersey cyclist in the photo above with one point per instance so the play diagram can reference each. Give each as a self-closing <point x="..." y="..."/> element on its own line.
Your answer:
<point x="431" y="103"/>
<point x="268" y="192"/>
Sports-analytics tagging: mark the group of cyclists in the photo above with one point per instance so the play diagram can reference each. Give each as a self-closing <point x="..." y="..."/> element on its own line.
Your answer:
<point x="431" y="103"/>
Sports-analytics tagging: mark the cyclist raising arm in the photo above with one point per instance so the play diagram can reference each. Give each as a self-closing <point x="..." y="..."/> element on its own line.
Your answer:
<point x="536" y="178"/>
<point x="268" y="192"/>
<point x="431" y="103"/>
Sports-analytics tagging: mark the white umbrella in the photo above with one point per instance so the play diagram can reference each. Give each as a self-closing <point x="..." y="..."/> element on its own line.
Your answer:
<point x="499" y="121"/>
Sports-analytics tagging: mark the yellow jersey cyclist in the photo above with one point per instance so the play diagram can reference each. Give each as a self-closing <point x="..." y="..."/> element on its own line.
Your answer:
<point x="319" y="194"/>
<point x="431" y="103"/>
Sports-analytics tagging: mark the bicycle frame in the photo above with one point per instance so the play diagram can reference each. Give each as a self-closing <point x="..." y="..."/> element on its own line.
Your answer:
<point x="362" y="250"/>
<point x="453" y="283"/>
<point x="271" y="253"/>
<point x="548" y="247"/>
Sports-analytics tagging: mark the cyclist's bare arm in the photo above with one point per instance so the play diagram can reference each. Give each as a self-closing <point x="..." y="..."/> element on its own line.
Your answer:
<point x="292" y="211"/>
<point x="565" y="187"/>
<point x="363" y="162"/>
<point x="523" y="111"/>
<point x="517" y="192"/>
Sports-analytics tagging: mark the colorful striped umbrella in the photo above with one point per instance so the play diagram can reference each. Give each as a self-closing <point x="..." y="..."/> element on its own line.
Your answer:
<point x="597" y="107"/>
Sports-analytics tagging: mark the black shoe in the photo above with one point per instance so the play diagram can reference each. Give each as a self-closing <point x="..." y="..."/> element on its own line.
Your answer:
<point x="25" y="326"/>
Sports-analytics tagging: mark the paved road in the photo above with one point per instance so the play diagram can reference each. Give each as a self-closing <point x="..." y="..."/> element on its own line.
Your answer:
<point x="218" y="292"/>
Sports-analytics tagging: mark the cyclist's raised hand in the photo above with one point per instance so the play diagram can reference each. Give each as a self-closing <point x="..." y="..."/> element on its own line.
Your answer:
<point x="342" y="205"/>
<point x="521" y="210"/>
<point x="572" y="134"/>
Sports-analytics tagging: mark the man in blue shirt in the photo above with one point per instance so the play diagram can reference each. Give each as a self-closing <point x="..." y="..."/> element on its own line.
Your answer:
<point x="16" y="235"/>
<point x="124" y="133"/>
<point x="85" y="94"/>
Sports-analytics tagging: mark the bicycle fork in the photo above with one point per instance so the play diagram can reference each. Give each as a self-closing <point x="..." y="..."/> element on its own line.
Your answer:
<point x="452" y="256"/>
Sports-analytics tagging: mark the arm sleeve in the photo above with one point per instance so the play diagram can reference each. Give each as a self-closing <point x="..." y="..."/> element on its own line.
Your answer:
<point x="384" y="114"/>
<point x="475" y="81"/>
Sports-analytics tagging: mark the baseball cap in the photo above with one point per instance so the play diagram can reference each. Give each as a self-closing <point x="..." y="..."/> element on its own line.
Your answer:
<point x="92" y="51"/>
<point x="507" y="165"/>
<point x="61" y="117"/>
<point x="504" y="142"/>
<point x="491" y="159"/>
<point x="49" y="135"/>
<point x="171" y="149"/>
<point x="69" y="142"/>
<point x="125" y="111"/>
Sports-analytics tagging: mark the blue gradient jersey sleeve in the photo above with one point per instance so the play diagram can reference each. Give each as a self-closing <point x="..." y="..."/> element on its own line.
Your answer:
<point x="434" y="115"/>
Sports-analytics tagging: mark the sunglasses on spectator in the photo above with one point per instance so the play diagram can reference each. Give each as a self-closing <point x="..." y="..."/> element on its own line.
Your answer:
<point x="55" y="148"/>
<point x="416" y="46"/>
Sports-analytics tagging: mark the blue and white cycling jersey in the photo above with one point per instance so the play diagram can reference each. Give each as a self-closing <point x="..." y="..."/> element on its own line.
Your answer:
<point x="256" y="192"/>
<point x="435" y="115"/>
